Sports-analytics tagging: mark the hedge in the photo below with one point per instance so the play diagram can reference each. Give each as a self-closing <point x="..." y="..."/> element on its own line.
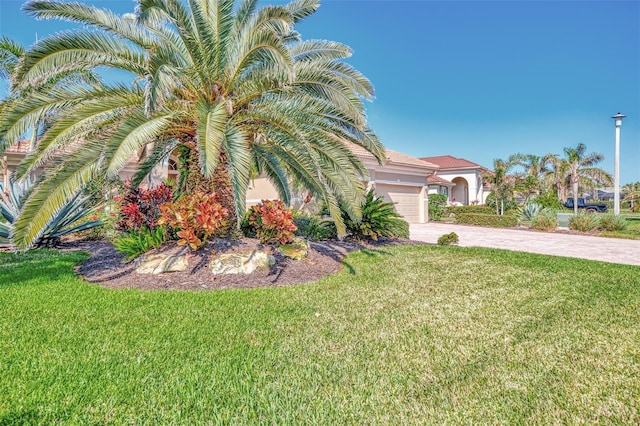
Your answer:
<point x="437" y="206"/>
<point x="506" y="221"/>
<point x="469" y="209"/>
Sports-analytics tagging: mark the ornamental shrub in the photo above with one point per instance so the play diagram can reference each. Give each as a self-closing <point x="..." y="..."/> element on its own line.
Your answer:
<point x="140" y="208"/>
<point x="455" y="210"/>
<point x="437" y="204"/>
<point x="194" y="218"/>
<point x="548" y="200"/>
<point x="314" y="228"/>
<point x="545" y="221"/>
<point x="134" y="243"/>
<point x="448" y="239"/>
<point x="272" y="222"/>
<point x="506" y="221"/>
<point x="610" y="222"/>
<point x="583" y="222"/>
<point x="379" y="219"/>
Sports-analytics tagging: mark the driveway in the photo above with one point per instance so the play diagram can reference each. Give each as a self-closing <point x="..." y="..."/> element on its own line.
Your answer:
<point x="612" y="250"/>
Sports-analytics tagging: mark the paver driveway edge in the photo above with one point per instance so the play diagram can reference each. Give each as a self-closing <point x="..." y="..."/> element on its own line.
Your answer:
<point x="614" y="250"/>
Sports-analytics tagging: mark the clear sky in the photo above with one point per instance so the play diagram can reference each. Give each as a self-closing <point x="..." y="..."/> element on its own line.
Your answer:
<point x="476" y="79"/>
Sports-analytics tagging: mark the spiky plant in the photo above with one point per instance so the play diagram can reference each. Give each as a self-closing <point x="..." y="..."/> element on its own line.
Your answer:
<point x="529" y="211"/>
<point x="233" y="82"/>
<point x="379" y="219"/>
<point x="73" y="216"/>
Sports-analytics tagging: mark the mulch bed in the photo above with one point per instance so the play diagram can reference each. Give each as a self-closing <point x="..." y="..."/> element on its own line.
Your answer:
<point x="110" y="269"/>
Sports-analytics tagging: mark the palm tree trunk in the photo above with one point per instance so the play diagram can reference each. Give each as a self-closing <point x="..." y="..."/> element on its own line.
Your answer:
<point x="191" y="179"/>
<point x="575" y="197"/>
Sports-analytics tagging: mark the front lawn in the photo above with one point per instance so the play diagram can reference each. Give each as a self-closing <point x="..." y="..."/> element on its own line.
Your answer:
<point x="403" y="335"/>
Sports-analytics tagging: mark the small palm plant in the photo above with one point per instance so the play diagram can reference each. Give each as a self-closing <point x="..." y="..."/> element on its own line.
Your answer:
<point x="379" y="219"/>
<point x="74" y="216"/>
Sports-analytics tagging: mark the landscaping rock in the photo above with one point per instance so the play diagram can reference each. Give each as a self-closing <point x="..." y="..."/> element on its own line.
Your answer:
<point x="298" y="249"/>
<point x="158" y="263"/>
<point x="241" y="263"/>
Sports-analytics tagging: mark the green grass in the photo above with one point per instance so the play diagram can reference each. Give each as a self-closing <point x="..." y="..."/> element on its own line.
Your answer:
<point x="404" y="335"/>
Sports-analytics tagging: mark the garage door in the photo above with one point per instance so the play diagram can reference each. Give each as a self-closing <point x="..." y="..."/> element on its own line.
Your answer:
<point x="406" y="199"/>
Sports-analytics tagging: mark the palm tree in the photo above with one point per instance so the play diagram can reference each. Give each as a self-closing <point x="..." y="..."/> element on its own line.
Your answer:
<point x="632" y="194"/>
<point x="557" y="177"/>
<point x="501" y="182"/>
<point x="580" y="171"/>
<point x="536" y="168"/>
<point x="232" y="82"/>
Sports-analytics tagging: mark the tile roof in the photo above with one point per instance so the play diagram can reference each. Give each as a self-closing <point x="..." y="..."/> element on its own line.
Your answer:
<point x="400" y="158"/>
<point x="19" y="147"/>
<point x="437" y="179"/>
<point x="451" y="162"/>
<point x="392" y="156"/>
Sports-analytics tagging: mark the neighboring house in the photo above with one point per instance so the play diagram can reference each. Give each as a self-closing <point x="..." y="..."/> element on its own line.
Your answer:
<point x="19" y="150"/>
<point x="460" y="179"/>
<point x="10" y="160"/>
<point x="401" y="180"/>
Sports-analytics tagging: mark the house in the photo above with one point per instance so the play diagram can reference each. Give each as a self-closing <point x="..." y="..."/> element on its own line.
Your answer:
<point x="10" y="160"/>
<point x="402" y="179"/>
<point x="458" y="178"/>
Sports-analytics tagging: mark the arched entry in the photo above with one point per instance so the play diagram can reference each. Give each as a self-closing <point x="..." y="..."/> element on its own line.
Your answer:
<point x="460" y="192"/>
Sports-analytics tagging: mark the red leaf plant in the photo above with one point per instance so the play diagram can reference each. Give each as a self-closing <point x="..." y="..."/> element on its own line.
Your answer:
<point x="273" y="222"/>
<point x="195" y="217"/>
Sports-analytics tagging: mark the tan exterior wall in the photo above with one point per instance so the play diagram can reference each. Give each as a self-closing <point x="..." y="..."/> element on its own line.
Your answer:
<point x="260" y="189"/>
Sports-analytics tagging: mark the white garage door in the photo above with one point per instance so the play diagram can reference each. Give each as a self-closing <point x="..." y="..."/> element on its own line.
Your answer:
<point x="406" y="199"/>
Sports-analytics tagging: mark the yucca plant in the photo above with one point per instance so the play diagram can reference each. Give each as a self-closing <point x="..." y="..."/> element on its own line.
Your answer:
<point x="379" y="219"/>
<point x="545" y="221"/>
<point x="73" y="216"/>
<point x="584" y="222"/>
<point x="610" y="222"/>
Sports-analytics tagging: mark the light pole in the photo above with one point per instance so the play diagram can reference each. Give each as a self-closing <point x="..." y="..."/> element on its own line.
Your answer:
<point x="616" y="166"/>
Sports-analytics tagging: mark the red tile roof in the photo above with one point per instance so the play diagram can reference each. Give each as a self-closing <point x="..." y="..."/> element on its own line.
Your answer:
<point x="451" y="162"/>
<point x="438" y="179"/>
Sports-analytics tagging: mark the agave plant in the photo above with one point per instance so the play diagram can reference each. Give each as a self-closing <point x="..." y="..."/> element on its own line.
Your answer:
<point x="529" y="211"/>
<point x="72" y="217"/>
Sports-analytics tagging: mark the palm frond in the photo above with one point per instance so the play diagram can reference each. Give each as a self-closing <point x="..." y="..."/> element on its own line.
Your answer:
<point x="90" y="16"/>
<point x="75" y="51"/>
<point x="161" y="150"/>
<point x="212" y="121"/>
<point x="239" y="166"/>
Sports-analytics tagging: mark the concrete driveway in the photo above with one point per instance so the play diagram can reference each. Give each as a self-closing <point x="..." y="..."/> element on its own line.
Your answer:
<point x="612" y="250"/>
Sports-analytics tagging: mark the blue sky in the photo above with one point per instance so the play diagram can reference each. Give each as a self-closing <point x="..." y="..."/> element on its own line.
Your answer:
<point x="476" y="79"/>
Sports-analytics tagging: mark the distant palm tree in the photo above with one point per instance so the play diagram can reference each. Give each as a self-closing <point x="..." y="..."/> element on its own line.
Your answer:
<point x="501" y="182"/>
<point x="631" y="193"/>
<point x="232" y="82"/>
<point x="536" y="168"/>
<point x="579" y="170"/>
